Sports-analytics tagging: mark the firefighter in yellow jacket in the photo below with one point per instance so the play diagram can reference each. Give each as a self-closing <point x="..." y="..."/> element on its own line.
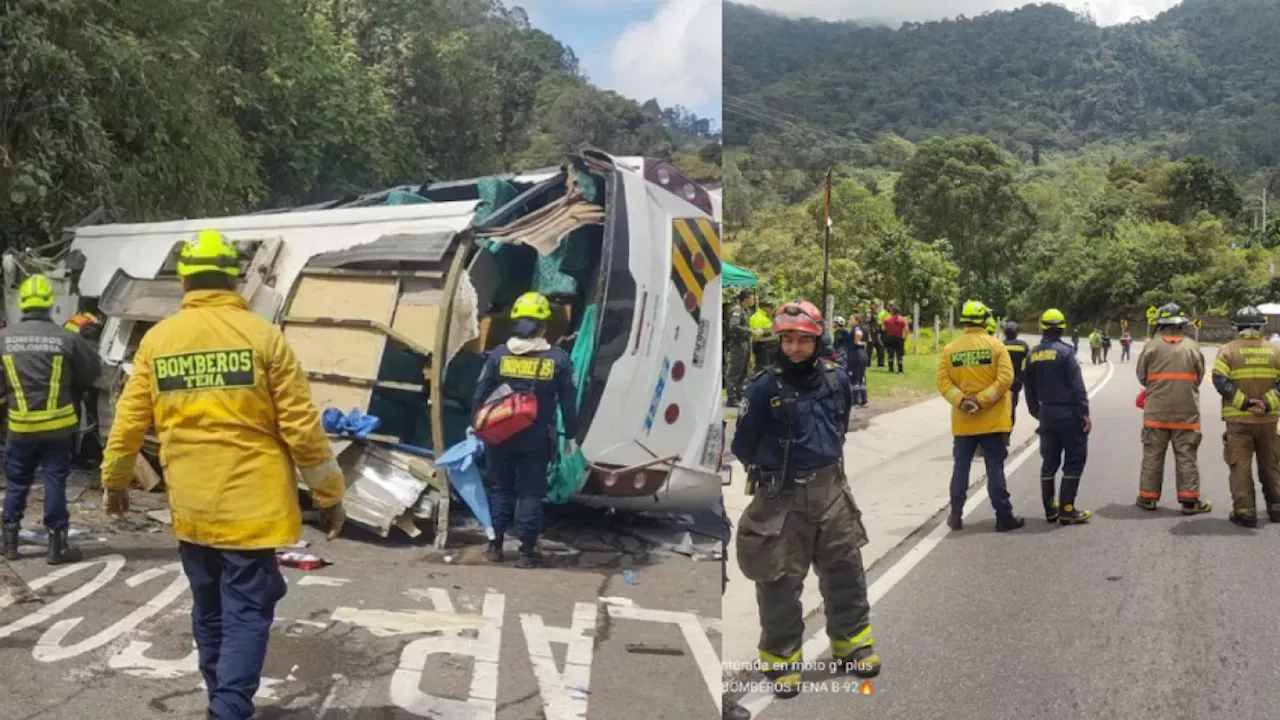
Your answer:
<point x="974" y="375"/>
<point x="1171" y="369"/>
<point x="1245" y="375"/>
<point x="232" y="410"/>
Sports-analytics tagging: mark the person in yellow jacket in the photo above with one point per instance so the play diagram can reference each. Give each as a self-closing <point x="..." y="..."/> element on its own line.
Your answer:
<point x="974" y="375"/>
<point x="232" y="410"/>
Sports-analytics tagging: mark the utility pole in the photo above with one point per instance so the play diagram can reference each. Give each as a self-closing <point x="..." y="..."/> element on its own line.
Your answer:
<point x="826" y="239"/>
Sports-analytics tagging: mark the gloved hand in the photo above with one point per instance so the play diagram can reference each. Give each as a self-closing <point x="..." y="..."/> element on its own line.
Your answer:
<point x="1257" y="407"/>
<point x="970" y="405"/>
<point x="115" y="503"/>
<point x="334" y="518"/>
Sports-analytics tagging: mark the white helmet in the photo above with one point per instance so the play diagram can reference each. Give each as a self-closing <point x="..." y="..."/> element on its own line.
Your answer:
<point x="839" y="321"/>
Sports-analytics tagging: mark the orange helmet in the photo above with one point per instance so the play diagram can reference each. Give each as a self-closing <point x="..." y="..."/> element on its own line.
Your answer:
<point x="802" y="317"/>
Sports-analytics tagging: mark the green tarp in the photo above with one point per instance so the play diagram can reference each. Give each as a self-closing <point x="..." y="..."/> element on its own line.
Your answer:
<point x="564" y="478"/>
<point x="736" y="277"/>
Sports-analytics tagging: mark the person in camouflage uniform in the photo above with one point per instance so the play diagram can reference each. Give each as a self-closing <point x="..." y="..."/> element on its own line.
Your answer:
<point x="737" y="342"/>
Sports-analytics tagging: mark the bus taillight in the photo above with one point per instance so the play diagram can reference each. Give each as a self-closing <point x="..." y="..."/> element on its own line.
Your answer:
<point x="672" y="414"/>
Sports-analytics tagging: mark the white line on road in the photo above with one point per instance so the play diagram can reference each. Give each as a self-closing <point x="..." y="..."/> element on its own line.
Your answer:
<point x="816" y="646"/>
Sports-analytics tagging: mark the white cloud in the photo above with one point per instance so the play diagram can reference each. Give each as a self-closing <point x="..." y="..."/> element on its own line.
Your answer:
<point x="1107" y="12"/>
<point x="674" y="56"/>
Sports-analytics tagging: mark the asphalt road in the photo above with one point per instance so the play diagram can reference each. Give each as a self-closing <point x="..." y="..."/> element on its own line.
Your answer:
<point x="390" y="633"/>
<point x="1136" y="615"/>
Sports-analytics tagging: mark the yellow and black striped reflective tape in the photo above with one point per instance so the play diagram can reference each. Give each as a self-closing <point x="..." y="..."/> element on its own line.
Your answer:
<point x="695" y="259"/>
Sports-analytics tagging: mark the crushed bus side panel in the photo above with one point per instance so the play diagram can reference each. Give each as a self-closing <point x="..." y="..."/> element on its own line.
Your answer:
<point x="392" y="300"/>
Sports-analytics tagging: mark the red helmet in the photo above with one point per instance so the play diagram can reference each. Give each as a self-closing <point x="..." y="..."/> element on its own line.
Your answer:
<point x="802" y="317"/>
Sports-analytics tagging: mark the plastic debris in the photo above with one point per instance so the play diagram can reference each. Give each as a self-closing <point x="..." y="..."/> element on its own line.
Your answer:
<point x="354" y="423"/>
<point x="464" y="476"/>
<point x="301" y="561"/>
<point x="629" y="577"/>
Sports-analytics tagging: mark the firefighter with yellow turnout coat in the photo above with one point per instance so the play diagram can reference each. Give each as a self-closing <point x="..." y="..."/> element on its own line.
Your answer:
<point x="1171" y="368"/>
<point x="233" y="412"/>
<point x="46" y="368"/>
<point x="974" y="375"/>
<point x="1245" y="375"/>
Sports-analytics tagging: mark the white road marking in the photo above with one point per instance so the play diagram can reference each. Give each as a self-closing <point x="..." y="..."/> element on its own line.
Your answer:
<point x="388" y="623"/>
<point x="484" y="649"/>
<point x="322" y="581"/>
<point x="694" y="634"/>
<point x="564" y="695"/>
<point x="817" y="644"/>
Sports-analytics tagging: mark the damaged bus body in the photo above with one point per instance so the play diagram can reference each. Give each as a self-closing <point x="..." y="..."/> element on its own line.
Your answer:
<point x="391" y="301"/>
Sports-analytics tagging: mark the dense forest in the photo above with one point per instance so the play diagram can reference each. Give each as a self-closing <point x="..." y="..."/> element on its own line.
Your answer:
<point x="160" y="109"/>
<point x="1028" y="158"/>
<point x="1202" y="78"/>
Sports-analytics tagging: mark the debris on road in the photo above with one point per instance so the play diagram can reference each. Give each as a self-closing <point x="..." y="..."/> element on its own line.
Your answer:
<point x="301" y="561"/>
<point x="165" y="517"/>
<point x="643" y="649"/>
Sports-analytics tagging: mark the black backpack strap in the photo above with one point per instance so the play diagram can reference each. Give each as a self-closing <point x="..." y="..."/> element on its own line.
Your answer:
<point x="832" y="385"/>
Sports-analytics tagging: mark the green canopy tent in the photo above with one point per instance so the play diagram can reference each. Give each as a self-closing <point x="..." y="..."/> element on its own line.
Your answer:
<point x="735" y="277"/>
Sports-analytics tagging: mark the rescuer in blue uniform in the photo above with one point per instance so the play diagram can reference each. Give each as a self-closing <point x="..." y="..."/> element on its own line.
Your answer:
<point x="517" y="468"/>
<point x="790" y="436"/>
<point x="1057" y="398"/>
<point x="1018" y="356"/>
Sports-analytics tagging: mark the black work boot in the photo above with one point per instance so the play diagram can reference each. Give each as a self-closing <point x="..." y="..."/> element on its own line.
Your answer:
<point x="863" y="662"/>
<point x="1148" y="503"/>
<point x="1051" y="511"/>
<point x="1006" y="523"/>
<point x="1072" y="515"/>
<point x="529" y="557"/>
<point x="60" y="550"/>
<point x="1273" y="516"/>
<point x="1196" y="507"/>
<point x="11" y="531"/>
<point x="1047" y="497"/>
<point x="493" y="552"/>
<point x="955" y="522"/>
<point x="734" y="711"/>
<point x="1244" y="518"/>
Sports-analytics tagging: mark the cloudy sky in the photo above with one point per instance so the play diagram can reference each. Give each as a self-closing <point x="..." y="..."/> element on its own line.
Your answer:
<point x="668" y="49"/>
<point x="1107" y="12"/>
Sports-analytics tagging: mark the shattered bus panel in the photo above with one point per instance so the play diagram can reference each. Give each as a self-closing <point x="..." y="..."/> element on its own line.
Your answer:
<point x="391" y="300"/>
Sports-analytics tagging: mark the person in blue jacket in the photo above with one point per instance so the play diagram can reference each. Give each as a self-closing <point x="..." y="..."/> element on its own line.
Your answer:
<point x="516" y="469"/>
<point x="1057" y="398"/>
<point x="790" y="436"/>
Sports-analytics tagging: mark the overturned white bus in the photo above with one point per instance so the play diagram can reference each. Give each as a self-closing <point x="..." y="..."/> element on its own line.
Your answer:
<point x="391" y="300"/>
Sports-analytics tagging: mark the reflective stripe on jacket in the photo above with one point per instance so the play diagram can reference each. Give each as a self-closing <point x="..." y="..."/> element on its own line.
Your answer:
<point x="1247" y="368"/>
<point x="1171" y="368"/>
<point x="232" y="409"/>
<point x="45" y="368"/>
<point x="977" y="365"/>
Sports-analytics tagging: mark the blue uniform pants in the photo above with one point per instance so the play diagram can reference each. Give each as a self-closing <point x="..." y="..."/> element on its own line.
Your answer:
<point x="21" y="459"/>
<point x="235" y="596"/>
<point x="517" y="484"/>
<point x="1065" y="448"/>
<point x="993" y="452"/>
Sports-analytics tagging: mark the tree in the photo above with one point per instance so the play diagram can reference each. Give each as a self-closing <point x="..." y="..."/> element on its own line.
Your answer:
<point x="961" y="190"/>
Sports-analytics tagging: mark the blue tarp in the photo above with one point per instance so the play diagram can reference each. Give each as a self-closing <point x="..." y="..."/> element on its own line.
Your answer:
<point x="459" y="462"/>
<point x="564" y="478"/>
<point x="354" y="423"/>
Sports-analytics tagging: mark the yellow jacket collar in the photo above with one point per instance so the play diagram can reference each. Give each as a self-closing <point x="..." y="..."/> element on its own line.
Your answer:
<point x="213" y="298"/>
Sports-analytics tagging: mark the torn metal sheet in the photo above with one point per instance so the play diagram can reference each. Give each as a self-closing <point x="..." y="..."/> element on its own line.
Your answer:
<point x="544" y="228"/>
<point x="425" y="246"/>
<point x="380" y="487"/>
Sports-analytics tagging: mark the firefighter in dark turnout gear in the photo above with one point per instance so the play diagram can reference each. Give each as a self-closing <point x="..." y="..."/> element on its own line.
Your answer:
<point x="46" y="367"/>
<point x="1245" y="375"/>
<point x="790" y="436"/>
<point x="1057" y="398"/>
<point x="517" y="469"/>
<point x="88" y="445"/>
<point x="1018" y="356"/>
